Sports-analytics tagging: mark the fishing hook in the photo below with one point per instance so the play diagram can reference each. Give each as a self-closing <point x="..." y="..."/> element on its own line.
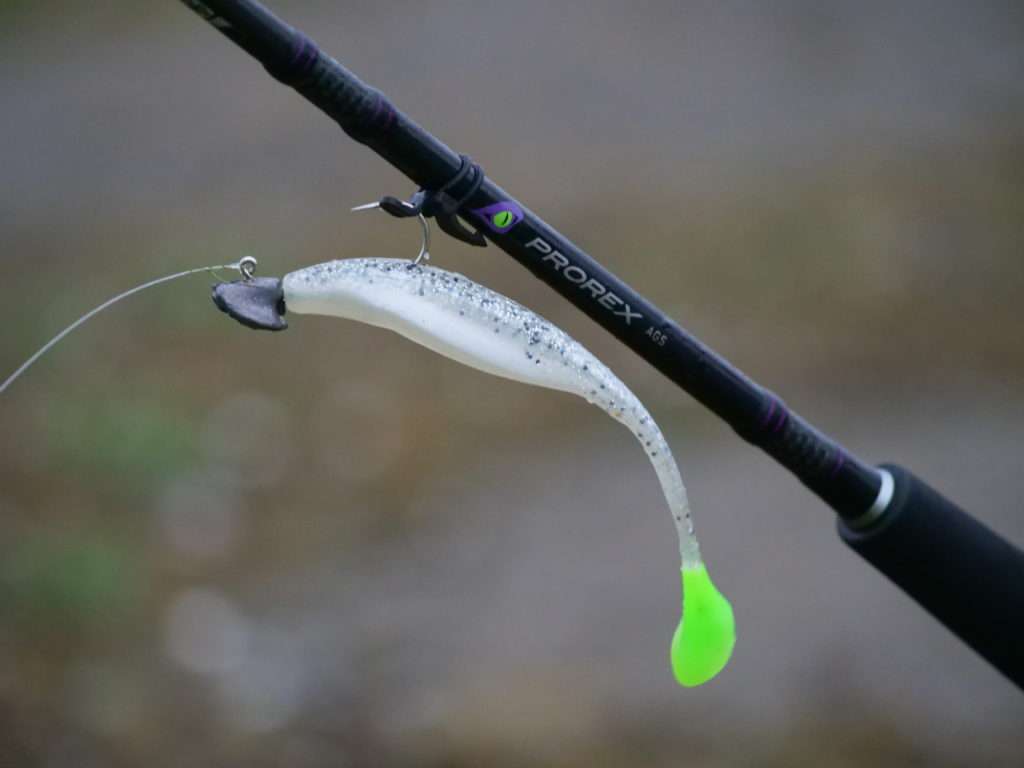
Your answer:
<point x="424" y="254"/>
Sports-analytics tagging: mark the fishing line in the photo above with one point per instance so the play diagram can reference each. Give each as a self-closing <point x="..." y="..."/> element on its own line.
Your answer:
<point x="246" y="265"/>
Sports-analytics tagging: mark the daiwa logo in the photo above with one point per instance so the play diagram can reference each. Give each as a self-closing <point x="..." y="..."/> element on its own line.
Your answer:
<point x="578" y="277"/>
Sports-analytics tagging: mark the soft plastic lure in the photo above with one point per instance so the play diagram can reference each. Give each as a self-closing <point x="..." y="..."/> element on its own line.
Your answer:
<point x="478" y="327"/>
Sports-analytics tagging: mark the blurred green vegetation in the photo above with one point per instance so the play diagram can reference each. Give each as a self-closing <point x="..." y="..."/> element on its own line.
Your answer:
<point x="49" y="581"/>
<point x="131" y="446"/>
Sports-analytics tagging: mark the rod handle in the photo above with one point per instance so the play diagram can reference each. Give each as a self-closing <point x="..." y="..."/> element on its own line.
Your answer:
<point x="959" y="570"/>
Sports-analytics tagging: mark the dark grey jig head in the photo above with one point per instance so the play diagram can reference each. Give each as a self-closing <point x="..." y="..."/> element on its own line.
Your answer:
<point x="256" y="302"/>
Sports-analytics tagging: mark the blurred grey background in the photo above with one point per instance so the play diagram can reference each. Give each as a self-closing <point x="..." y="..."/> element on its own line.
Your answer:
<point x="329" y="547"/>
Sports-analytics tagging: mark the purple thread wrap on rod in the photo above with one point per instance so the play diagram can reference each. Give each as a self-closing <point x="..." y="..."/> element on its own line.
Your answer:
<point x="300" y="66"/>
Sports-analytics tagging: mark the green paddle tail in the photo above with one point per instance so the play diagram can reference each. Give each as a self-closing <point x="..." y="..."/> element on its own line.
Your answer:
<point x="704" y="639"/>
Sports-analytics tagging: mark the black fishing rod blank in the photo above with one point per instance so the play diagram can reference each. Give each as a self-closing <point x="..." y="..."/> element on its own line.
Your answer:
<point x="962" y="572"/>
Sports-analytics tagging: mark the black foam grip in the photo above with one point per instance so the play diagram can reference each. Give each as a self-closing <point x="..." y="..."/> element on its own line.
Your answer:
<point x="963" y="573"/>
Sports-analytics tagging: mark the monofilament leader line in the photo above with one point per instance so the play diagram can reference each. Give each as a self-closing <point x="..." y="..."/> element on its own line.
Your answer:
<point x="246" y="266"/>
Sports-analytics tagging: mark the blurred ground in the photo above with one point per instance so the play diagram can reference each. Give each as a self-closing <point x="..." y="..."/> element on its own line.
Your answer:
<point x="328" y="547"/>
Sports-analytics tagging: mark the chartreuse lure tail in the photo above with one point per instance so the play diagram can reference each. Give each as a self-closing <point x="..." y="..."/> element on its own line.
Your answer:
<point x="473" y="325"/>
<point x="704" y="639"/>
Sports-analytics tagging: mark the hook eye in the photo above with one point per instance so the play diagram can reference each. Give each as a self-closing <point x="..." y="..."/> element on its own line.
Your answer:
<point x="247" y="266"/>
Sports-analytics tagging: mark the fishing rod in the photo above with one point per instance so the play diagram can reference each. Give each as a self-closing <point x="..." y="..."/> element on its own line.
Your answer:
<point x="966" y="575"/>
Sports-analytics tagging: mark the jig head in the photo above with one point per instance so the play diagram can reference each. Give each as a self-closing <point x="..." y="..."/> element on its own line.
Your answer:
<point x="256" y="302"/>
